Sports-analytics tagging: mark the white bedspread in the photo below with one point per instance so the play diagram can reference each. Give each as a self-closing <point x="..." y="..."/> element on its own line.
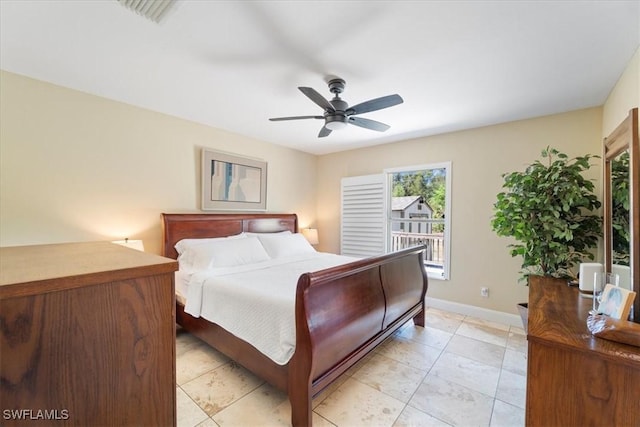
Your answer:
<point x="256" y="302"/>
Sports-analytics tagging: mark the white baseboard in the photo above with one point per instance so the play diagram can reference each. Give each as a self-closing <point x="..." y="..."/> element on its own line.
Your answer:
<point x="479" y="312"/>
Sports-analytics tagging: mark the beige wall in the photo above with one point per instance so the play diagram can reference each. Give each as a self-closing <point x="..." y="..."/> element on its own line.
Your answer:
<point x="479" y="157"/>
<point x="77" y="167"/>
<point x="624" y="96"/>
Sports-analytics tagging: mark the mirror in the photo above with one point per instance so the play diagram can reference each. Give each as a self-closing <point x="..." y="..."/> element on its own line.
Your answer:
<point x="622" y="206"/>
<point x="620" y="219"/>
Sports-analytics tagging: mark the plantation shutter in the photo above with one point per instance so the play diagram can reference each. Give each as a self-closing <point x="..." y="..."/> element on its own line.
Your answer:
<point x="363" y="216"/>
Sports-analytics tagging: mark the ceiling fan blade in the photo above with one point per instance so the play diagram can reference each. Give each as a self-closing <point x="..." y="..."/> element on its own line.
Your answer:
<point x="277" y="119"/>
<point x="324" y="132"/>
<point x="313" y="95"/>
<point x="368" y="124"/>
<point x="375" y="104"/>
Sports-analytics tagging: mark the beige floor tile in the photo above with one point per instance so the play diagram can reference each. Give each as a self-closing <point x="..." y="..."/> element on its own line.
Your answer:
<point x="356" y="404"/>
<point x="452" y="403"/>
<point x="505" y="415"/>
<point x="515" y="361"/>
<point x="208" y="423"/>
<point x="264" y="406"/>
<point x="487" y="323"/>
<point x="484" y="333"/>
<point x="185" y="341"/>
<point x="431" y="336"/>
<point x="480" y="351"/>
<point x="352" y="370"/>
<point x="411" y="353"/>
<point x="189" y="414"/>
<point x="517" y="330"/>
<point x="463" y="356"/>
<point x="467" y="372"/>
<point x="319" y="421"/>
<point x="445" y="321"/>
<point x="445" y="313"/>
<point x="512" y="388"/>
<point x="411" y="417"/>
<point x="221" y="387"/>
<point x="517" y="342"/>
<point x="327" y="391"/>
<point x="197" y="360"/>
<point x="390" y="377"/>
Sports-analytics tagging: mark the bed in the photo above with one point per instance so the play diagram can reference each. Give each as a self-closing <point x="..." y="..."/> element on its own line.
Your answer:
<point x="341" y="313"/>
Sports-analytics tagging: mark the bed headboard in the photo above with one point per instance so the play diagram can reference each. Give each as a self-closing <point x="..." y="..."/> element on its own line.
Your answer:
<point x="176" y="227"/>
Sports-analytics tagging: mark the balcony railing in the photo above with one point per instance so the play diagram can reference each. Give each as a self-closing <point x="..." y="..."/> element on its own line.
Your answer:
<point x="434" y="243"/>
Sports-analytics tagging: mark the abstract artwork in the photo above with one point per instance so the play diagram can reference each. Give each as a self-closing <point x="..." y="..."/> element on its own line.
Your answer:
<point x="232" y="182"/>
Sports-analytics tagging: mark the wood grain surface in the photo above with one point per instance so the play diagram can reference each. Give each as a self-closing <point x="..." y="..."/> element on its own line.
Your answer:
<point x="573" y="377"/>
<point x="103" y="353"/>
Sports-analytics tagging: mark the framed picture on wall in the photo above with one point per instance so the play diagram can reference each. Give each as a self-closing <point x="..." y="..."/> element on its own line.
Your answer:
<point x="231" y="182"/>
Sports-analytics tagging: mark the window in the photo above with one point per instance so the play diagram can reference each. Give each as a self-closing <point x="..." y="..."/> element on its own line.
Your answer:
<point x="419" y="212"/>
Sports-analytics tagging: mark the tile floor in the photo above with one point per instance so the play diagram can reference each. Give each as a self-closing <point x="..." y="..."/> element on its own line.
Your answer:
<point x="458" y="371"/>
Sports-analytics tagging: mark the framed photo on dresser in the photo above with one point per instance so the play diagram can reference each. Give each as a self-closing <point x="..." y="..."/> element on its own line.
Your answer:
<point x="616" y="302"/>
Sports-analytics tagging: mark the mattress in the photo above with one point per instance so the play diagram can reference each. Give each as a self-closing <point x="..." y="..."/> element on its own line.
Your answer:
<point x="182" y="284"/>
<point x="255" y="302"/>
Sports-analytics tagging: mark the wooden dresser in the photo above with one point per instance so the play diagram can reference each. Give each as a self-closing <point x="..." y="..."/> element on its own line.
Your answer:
<point x="87" y="336"/>
<point x="573" y="378"/>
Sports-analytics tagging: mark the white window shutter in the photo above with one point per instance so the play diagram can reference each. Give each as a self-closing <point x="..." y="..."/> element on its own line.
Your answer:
<point x="363" y="216"/>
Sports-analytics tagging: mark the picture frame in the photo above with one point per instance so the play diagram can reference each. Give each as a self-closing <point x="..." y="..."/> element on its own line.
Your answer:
<point x="616" y="302"/>
<point x="231" y="182"/>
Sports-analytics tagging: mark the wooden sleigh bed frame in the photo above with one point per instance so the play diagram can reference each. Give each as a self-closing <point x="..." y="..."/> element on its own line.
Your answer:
<point x="341" y="314"/>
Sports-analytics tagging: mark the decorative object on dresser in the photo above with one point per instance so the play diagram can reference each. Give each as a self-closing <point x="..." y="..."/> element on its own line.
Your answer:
<point x="231" y="182"/>
<point x="611" y="329"/>
<point x="615" y="302"/>
<point x="621" y="200"/>
<point x="586" y="277"/>
<point x="88" y="335"/>
<point x="340" y="313"/>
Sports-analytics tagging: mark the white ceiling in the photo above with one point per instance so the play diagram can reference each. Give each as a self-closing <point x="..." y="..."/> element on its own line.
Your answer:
<point x="233" y="64"/>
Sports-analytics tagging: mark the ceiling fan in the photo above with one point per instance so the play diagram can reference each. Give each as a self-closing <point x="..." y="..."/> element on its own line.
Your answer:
<point x="337" y="113"/>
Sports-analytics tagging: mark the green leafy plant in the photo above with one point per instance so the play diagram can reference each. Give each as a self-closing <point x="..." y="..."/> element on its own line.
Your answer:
<point x="551" y="212"/>
<point x="620" y="194"/>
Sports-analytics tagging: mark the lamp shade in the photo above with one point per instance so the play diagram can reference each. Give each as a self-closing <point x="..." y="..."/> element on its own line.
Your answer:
<point x="311" y="234"/>
<point x="133" y="244"/>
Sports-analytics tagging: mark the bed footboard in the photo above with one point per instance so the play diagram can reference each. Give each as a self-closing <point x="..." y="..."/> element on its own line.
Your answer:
<point x="342" y="313"/>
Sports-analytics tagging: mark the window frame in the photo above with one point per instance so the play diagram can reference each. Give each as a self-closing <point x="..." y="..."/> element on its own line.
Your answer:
<point x="388" y="180"/>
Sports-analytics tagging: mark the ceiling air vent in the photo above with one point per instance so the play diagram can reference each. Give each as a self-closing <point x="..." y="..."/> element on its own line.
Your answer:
<point x="150" y="9"/>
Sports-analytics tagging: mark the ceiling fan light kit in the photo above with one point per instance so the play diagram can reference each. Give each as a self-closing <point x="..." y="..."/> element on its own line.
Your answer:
<point x="335" y="122"/>
<point x="337" y="113"/>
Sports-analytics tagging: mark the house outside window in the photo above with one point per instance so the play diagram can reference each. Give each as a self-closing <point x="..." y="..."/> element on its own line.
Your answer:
<point x="419" y="212"/>
<point x="379" y="216"/>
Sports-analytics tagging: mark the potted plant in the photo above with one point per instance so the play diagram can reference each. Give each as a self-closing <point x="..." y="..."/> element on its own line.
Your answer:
<point x="551" y="212"/>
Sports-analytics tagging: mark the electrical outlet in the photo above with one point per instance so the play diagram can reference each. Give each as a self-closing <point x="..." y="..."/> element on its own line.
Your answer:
<point x="484" y="292"/>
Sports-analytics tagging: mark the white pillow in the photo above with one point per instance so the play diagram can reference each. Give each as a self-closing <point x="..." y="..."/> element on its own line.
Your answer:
<point x="224" y="253"/>
<point x="250" y="233"/>
<point x="184" y="244"/>
<point x="281" y="245"/>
